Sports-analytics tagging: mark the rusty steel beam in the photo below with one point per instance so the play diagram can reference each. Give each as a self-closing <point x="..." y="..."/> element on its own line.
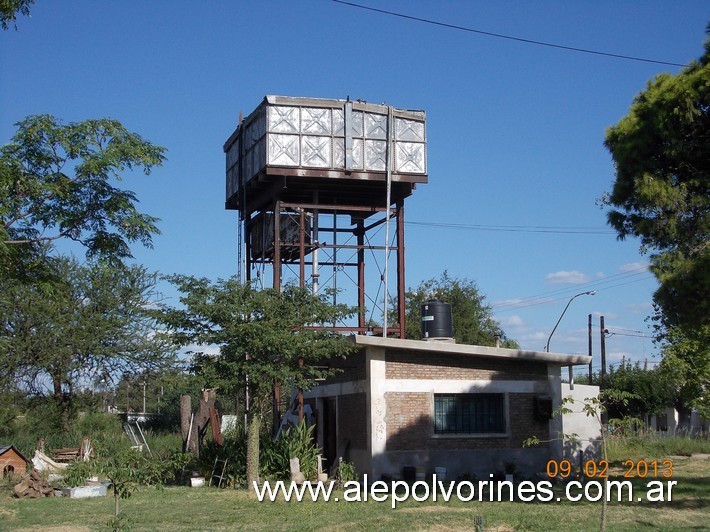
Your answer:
<point x="328" y="208"/>
<point x="361" y="274"/>
<point x="401" y="311"/>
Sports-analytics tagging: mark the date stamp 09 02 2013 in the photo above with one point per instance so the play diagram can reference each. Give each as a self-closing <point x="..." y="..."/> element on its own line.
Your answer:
<point x="600" y="469"/>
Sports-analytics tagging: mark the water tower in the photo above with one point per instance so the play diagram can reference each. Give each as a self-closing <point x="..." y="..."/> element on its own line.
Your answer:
<point x="320" y="186"/>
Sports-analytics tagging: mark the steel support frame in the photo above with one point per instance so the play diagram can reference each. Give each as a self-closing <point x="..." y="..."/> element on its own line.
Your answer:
<point x="359" y="215"/>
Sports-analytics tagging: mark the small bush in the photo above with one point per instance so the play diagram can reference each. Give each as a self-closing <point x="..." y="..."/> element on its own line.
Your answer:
<point x="346" y="472"/>
<point x="234" y="450"/>
<point x="295" y="442"/>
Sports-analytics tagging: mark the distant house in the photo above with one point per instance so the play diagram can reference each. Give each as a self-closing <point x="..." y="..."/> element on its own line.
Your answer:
<point x="670" y="422"/>
<point x="409" y="405"/>
<point x="12" y="462"/>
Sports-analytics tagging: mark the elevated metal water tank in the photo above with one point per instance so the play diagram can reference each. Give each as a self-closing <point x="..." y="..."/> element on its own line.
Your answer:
<point x="436" y="320"/>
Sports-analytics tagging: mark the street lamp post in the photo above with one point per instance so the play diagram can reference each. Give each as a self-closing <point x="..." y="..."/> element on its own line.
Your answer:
<point x="590" y="293"/>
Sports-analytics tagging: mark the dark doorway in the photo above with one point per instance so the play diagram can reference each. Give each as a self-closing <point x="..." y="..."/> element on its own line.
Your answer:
<point x="330" y="434"/>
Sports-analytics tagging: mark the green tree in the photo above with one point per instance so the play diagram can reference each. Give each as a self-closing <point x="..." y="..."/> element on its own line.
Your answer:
<point x="55" y="182"/>
<point x="9" y="9"/>
<point x="661" y="151"/>
<point x="265" y="336"/>
<point x="88" y="322"/>
<point x="650" y="390"/>
<point x="686" y="366"/>
<point x="472" y="318"/>
<point x="127" y="469"/>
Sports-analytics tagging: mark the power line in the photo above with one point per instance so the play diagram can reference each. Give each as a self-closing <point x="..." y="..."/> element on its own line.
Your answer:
<point x="508" y="37"/>
<point x="563" y="293"/>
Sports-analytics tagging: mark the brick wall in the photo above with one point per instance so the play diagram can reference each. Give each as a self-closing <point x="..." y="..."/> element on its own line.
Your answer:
<point x="351" y="368"/>
<point x="424" y="365"/>
<point x="523" y="423"/>
<point x="410" y="425"/>
<point x="352" y="420"/>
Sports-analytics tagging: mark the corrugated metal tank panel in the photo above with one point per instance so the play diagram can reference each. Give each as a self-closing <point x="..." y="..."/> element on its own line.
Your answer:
<point x="324" y="134"/>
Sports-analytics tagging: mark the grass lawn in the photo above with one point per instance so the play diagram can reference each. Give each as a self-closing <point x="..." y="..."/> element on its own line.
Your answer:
<point x="183" y="508"/>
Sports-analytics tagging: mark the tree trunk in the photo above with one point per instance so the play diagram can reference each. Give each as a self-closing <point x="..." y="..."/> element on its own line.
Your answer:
<point x="253" y="451"/>
<point x="200" y="420"/>
<point x="63" y="403"/>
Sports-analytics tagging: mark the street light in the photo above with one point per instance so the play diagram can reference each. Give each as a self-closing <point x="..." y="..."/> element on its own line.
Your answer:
<point x="590" y="293"/>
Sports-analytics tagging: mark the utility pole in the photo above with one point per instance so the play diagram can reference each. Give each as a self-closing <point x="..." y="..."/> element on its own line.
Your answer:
<point x="144" y="385"/>
<point x="603" y="349"/>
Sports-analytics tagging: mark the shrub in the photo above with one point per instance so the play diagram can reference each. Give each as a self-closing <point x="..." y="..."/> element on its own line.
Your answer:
<point x="295" y="442"/>
<point x="234" y="450"/>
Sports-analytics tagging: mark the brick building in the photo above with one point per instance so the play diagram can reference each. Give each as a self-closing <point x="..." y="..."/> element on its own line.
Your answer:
<point x="415" y="404"/>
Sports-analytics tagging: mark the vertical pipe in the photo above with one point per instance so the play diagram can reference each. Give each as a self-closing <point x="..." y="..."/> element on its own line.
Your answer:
<point x="603" y="349"/>
<point x="388" y="164"/>
<point x="589" y="334"/>
<point x="277" y="246"/>
<point x="241" y="219"/>
<point x="335" y="260"/>
<point x="302" y="249"/>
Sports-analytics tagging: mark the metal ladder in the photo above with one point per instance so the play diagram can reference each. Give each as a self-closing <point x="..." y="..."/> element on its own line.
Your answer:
<point x="136" y="436"/>
<point x="219" y="476"/>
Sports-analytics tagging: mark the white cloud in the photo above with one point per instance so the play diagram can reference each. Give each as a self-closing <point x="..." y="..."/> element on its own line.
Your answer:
<point x="633" y="267"/>
<point x="565" y="277"/>
<point x="535" y="337"/>
<point x="511" y="321"/>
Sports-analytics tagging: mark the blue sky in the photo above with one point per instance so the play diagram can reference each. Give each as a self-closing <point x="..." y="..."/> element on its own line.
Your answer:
<point x="515" y="130"/>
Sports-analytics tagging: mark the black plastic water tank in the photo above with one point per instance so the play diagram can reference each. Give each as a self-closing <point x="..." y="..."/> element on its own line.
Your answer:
<point x="436" y="319"/>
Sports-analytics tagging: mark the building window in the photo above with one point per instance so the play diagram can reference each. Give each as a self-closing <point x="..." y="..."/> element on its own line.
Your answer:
<point x="479" y="413"/>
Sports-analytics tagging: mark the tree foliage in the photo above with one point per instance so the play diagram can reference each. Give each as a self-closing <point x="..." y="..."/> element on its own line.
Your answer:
<point x="88" y="322"/>
<point x="9" y="9"/>
<point x="56" y="182"/>
<point x="661" y="151"/>
<point x="264" y="337"/>
<point x="650" y="390"/>
<point x="472" y="318"/>
<point x="686" y="366"/>
<point x="269" y="335"/>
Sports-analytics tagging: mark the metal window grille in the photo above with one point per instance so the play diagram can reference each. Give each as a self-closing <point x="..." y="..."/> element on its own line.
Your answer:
<point x="481" y="413"/>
